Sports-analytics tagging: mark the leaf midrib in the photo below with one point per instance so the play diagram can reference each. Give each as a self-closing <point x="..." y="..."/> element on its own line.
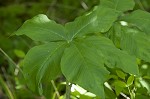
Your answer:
<point x="83" y="27"/>
<point x="43" y="64"/>
<point x="85" y="62"/>
<point x="47" y="30"/>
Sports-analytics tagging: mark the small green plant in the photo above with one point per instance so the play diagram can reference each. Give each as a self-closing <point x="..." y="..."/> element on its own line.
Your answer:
<point x="86" y="50"/>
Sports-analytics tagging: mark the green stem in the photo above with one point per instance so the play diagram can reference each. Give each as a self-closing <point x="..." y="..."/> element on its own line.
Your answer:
<point x="68" y="91"/>
<point x="55" y="88"/>
<point x="131" y="94"/>
<point x="14" y="64"/>
<point x="6" y="89"/>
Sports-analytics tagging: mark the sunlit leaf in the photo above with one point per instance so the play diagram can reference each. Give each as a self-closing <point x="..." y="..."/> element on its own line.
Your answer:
<point x="130" y="80"/>
<point x="40" y="28"/>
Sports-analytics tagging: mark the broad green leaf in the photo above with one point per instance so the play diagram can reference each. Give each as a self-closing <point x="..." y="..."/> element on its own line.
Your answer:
<point x="83" y="62"/>
<point x="114" y="58"/>
<point x="40" y="28"/>
<point x="80" y="64"/>
<point x="130" y="80"/>
<point x="139" y="18"/>
<point x="105" y="18"/>
<point x="136" y="43"/>
<point x="121" y="74"/>
<point x="82" y="25"/>
<point x="119" y="5"/>
<point x="99" y="20"/>
<point x="41" y="64"/>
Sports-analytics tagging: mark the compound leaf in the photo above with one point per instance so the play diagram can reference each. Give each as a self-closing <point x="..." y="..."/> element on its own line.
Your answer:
<point x="40" y="28"/>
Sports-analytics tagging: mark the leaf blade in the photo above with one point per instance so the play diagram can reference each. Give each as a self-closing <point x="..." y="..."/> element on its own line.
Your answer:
<point x="37" y="63"/>
<point x="136" y="43"/>
<point x="87" y="58"/>
<point x="137" y="18"/>
<point x="81" y="67"/>
<point x="114" y="58"/>
<point x="119" y="5"/>
<point x="40" y="28"/>
<point x="98" y="20"/>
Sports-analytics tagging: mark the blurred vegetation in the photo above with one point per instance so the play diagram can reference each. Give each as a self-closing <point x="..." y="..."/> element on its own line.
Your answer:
<point x="13" y="49"/>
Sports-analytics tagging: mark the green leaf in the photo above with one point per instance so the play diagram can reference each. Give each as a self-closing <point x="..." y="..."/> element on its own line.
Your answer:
<point x="99" y="20"/>
<point x="109" y="93"/>
<point x="40" y="28"/>
<point x="130" y="80"/>
<point x="41" y="64"/>
<point x="120" y="83"/>
<point x="19" y="53"/>
<point x="119" y="5"/>
<point x="114" y="58"/>
<point x="83" y="62"/>
<point x="139" y="18"/>
<point x="118" y="89"/>
<point x="115" y="34"/>
<point x="136" y="43"/>
<point x="105" y="18"/>
<point x="121" y="74"/>
<point x="82" y="25"/>
<point x="80" y="64"/>
<point x="48" y="90"/>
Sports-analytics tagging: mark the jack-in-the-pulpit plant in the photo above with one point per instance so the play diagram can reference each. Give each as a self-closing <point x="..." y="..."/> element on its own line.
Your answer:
<point x="84" y="50"/>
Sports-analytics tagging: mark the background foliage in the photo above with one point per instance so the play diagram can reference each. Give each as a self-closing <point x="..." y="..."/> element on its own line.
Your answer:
<point x="14" y="12"/>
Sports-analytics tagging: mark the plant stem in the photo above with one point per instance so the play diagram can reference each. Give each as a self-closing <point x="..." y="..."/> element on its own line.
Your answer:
<point x="131" y="94"/>
<point x="6" y="89"/>
<point x="68" y="91"/>
<point x="55" y="88"/>
<point x="9" y="59"/>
